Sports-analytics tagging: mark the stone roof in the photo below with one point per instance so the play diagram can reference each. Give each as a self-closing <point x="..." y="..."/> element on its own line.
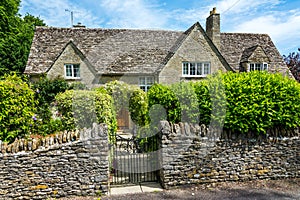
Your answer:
<point x="236" y="46"/>
<point x="119" y="51"/>
<point x="108" y="50"/>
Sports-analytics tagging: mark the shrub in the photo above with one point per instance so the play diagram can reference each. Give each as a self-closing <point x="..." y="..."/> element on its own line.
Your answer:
<point x="138" y="107"/>
<point x="203" y="97"/>
<point x="120" y="93"/>
<point x="187" y="98"/>
<point x="82" y="108"/>
<point x="45" y="92"/>
<point x="164" y="96"/>
<point x="17" y="108"/>
<point x="258" y="101"/>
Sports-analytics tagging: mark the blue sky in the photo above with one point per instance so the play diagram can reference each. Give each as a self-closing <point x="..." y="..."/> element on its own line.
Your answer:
<point x="278" y="18"/>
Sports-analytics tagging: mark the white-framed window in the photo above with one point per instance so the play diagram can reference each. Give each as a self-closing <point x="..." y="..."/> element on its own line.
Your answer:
<point x="258" y="66"/>
<point x="72" y="71"/>
<point x="145" y="82"/>
<point x="195" y="69"/>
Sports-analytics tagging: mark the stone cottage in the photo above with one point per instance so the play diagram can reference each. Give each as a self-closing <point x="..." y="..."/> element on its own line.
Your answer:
<point x="142" y="57"/>
<point x="95" y="56"/>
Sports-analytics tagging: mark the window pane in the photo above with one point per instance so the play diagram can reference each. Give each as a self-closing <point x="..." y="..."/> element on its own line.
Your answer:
<point x="251" y="67"/>
<point x="185" y="70"/>
<point x="69" y="70"/>
<point x="206" y="68"/>
<point x="199" y="68"/>
<point x="143" y="88"/>
<point x="76" y="70"/>
<point x="257" y="66"/>
<point x="149" y="80"/>
<point x="265" y="66"/>
<point x="142" y="81"/>
<point x="192" y="69"/>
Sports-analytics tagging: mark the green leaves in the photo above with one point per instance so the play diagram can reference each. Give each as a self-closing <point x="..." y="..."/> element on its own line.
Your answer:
<point x="258" y="101"/>
<point x="82" y="108"/>
<point x="17" y="107"/>
<point x="16" y="35"/>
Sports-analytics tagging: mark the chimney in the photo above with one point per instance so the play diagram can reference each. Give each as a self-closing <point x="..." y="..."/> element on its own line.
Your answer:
<point x="79" y="25"/>
<point x="213" y="27"/>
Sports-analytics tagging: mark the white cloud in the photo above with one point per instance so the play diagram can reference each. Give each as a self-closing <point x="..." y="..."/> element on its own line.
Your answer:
<point x="133" y="14"/>
<point x="53" y="12"/>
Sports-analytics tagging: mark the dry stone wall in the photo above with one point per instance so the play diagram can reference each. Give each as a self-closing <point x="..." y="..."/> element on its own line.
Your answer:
<point x="63" y="165"/>
<point x="194" y="154"/>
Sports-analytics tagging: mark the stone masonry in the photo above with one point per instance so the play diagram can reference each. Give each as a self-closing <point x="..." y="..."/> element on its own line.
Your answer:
<point x="63" y="165"/>
<point x="194" y="154"/>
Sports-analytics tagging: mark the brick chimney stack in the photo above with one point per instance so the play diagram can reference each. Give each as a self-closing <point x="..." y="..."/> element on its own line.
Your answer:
<point x="213" y="27"/>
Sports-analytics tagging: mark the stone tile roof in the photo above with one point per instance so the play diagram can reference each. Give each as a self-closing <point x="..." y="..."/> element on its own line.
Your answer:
<point x="108" y="50"/>
<point x="118" y="51"/>
<point x="233" y="46"/>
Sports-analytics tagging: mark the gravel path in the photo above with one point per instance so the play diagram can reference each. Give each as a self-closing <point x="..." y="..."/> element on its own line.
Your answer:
<point x="288" y="189"/>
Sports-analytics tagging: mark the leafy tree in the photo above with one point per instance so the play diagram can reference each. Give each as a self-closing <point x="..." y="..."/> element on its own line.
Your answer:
<point x="293" y="62"/>
<point x="16" y="35"/>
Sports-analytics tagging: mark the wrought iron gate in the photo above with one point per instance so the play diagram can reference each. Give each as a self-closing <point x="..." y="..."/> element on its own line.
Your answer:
<point x="135" y="160"/>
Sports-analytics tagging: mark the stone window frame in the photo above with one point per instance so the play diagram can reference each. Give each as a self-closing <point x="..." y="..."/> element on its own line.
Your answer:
<point x="196" y="69"/>
<point x="145" y="82"/>
<point x="74" y="74"/>
<point x="258" y="66"/>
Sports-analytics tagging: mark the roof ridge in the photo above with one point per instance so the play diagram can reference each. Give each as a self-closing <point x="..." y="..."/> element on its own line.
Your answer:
<point x="245" y="33"/>
<point x="111" y="29"/>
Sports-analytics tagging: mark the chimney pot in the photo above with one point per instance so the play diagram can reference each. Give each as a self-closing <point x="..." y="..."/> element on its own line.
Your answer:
<point x="79" y="25"/>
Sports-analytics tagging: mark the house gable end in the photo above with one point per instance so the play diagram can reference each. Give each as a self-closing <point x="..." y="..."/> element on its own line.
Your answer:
<point x="72" y="55"/>
<point x="193" y="46"/>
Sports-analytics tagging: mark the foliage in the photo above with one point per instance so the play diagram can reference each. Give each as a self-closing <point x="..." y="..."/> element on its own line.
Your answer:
<point x="17" y="108"/>
<point x="257" y="101"/>
<point x="82" y="108"/>
<point x="188" y="101"/>
<point x="16" y="35"/>
<point x="162" y="95"/>
<point x="203" y="97"/>
<point x="293" y="62"/>
<point x="45" y="92"/>
<point x="138" y="107"/>
<point x="120" y="93"/>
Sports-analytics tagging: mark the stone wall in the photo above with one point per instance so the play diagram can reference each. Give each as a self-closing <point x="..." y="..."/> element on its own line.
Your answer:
<point x="62" y="165"/>
<point x="194" y="154"/>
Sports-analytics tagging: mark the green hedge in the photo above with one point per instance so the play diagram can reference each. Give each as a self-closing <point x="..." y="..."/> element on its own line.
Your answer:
<point x="82" y="108"/>
<point x="138" y="107"/>
<point x="17" y="108"/>
<point x="242" y="102"/>
<point x="258" y="101"/>
<point x="162" y="95"/>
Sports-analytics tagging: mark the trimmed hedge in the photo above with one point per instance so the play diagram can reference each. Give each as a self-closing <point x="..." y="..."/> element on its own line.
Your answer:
<point x="258" y="101"/>
<point x="17" y="108"/>
<point x="82" y="108"/>
<point x="242" y="102"/>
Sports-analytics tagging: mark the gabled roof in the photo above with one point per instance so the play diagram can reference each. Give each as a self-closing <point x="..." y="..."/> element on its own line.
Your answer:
<point x="130" y="51"/>
<point x="233" y="46"/>
<point x="109" y="50"/>
<point x="182" y="38"/>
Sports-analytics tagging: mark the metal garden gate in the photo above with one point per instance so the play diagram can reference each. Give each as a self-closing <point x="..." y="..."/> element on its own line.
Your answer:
<point x="135" y="160"/>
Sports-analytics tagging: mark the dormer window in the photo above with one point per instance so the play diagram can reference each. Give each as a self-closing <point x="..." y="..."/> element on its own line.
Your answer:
<point x="72" y="71"/>
<point x="258" y="66"/>
<point x="195" y="69"/>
